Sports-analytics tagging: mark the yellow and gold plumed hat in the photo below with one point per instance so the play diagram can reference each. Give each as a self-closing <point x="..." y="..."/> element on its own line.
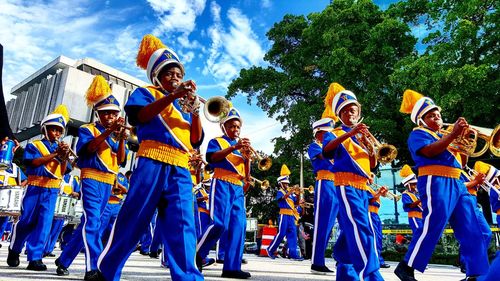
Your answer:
<point x="59" y="117"/>
<point x="284" y="174"/>
<point x="407" y="174"/>
<point x="153" y="56"/>
<point x="487" y="169"/>
<point x="99" y="95"/>
<point x="417" y="105"/>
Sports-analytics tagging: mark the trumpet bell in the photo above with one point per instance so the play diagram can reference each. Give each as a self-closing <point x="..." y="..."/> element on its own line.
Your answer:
<point x="386" y="153"/>
<point x="216" y="108"/>
<point x="494" y="141"/>
<point x="265" y="164"/>
<point x="264" y="185"/>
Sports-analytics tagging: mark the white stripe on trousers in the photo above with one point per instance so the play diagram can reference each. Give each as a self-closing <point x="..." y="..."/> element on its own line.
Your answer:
<point x="426" y="223"/>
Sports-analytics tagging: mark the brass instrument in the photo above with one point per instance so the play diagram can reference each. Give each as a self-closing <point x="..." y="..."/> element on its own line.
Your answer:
<point x="466" y="143"/>
<point x="487" y="186"/>
<point x="389" y="195"/>
<point x="263" y="184"/>
<point x="297" y="188"/>
<point x="70" y="153"/>
<point x="385" y="153"/>
<point x="214" y="110"/>
<point x="263" y="163"/>
<point x="307" y="205"/>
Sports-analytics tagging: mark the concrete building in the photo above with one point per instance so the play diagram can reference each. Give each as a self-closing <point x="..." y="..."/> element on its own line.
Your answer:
<point x="63" y="81"/>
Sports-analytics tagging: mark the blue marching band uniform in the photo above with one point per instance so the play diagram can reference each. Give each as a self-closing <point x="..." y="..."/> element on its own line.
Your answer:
<point x="162" y="191"/>
<point x="12" y="176"/>
<point x="411" y="201"/>
<point x="288" y="215"/>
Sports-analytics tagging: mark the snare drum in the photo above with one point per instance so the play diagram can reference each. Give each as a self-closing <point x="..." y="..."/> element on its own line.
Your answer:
<point x="63" y="206"/>
<point x="76" y="212"/>
<point x="11" y="198"/>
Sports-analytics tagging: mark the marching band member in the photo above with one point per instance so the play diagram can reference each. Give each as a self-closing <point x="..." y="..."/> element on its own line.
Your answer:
<point x="120" y="188"/>
<point x="411" y="201"/>
<point x="202" y="194"/>
<point x="161" y="179"/>
<point x="325" y="198"/>
<point x="12" y="176"/>
<point x="70" y="186"/>
<point x="288" y="215"/>
<point x="46" y="162"/>
<point x="352" y="165"/>
<point x="491" y="177"/>
<point x="444" y="196"/>
<point x="227" y="199"/>
<point x="101" y="149"/>
<point x="373" y="207"/>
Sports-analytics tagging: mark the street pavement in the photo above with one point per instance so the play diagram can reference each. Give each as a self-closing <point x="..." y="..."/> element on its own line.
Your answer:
<point x="140" y="267"/>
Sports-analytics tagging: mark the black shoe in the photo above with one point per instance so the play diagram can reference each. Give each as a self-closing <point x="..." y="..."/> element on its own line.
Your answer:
<point x="144" y="253"/>
<point x="93" y="275"/>
<point x="36" y="266"/>
<point x="320" y="269"/>
<point x="404" y="272"/>
<point x="207" y="262"/>
<point x="13" y="259"/>
<point x="153" y="255"/>
<point x="244" y="261"/>
<point x="62" y="271"/>
<point x="50" y="255"/>
<point x="384" y="265"/>
<point x="219" y="261"/>
<point x="236" y="274"/>
<point x="199" y="262"/>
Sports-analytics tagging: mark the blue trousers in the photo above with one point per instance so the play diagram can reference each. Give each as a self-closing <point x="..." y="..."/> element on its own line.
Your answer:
<point x="227" y="213"/>
<point x="108" y="219"/>
<point x="3" y="225"/>
<point x="33" y="227"/>
<point x="286" y="228"/>
<point x="95" y="197"/>
<point x="221" y="246"/>
<point x="203" y="221"/>
<point x="494" y="270"/>
<point x="377" y="227"/>
<point x="415" y="223"/>
<point x="326" y="207"/>
<point x="355" y="222"/>
<point x="157" y="239"/>
<point x="345" y="268"/>
<point x="55" y="230"/>
<point x="147" y="237"/>
<point x="155" y="185"/>
<point x="443" y="200"/>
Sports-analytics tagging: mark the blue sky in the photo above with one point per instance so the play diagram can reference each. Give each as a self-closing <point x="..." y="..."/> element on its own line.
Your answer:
<point x="214" y="38"/>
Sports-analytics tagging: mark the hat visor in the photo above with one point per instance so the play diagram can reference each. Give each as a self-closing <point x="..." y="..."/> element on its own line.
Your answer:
<point x="113" y="107"/>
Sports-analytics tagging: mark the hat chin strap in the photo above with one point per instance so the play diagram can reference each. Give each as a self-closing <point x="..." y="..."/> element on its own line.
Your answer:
<point x="420" y="120"/>
<point x="155" y="80"/>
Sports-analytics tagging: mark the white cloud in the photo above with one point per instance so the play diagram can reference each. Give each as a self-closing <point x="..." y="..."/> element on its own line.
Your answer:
<point x="35" y="33"/>
<point x="177" y="16"/>
<point x="232" y="49"/>
<point x="266" y="4"/>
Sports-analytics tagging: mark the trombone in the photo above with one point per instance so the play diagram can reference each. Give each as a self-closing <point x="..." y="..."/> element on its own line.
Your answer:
<point x="487" y="186"/>
<point x="263" y="184"/>
<point x="389" y="195"/>
<point x="385" y="153"/>
<point x="467" y="142"/>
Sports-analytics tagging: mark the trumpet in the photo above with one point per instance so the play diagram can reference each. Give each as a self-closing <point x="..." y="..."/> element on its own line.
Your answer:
<point x="466" y="143"/>
<point x="389" y="195"/>
<point x="297" y="188"/>
<point x="307" y="205"/>
<point x="385" y="153"/>
<point x="487" y="186"/>
<point x="214" y="110"/>
<point x="263" y="184"/>
<point x="67" y="156"/>
<point x="263" y="163"/>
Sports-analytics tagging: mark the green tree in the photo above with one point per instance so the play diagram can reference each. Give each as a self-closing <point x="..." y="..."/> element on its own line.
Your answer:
<point x="459" y="66"/>
<point x="351" y="42"/>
